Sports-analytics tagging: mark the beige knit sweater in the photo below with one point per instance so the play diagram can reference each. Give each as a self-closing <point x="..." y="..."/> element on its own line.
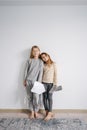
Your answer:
<point x="50" y="74"/>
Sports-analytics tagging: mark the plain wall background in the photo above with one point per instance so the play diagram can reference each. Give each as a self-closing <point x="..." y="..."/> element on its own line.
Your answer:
<point x="59" y="30"/>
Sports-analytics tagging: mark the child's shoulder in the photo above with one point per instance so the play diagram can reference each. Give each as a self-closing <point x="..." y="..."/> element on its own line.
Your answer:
<point x="54" y="64"/>
<point x="28" y="61"/>
<point x="41" y="62"/>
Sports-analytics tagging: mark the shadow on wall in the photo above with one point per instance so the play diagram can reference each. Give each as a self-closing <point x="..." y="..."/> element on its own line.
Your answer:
<point x="21" y="89"/>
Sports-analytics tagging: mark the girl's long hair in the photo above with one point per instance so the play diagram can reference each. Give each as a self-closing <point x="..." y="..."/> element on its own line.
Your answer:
<point x="31" y="54"/>
<point x="50" y="61"/>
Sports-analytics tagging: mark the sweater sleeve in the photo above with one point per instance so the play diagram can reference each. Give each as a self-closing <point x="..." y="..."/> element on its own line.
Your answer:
<point x="55" y="82"/>
<point x="26" y="70"/>
<point x="40" y="72"/>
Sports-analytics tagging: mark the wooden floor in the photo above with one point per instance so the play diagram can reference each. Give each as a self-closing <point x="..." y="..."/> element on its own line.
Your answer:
<point x="56" y="115"/>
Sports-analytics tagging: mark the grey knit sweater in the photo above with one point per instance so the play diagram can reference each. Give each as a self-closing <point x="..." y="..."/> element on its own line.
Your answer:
<point x="33" y="70"/>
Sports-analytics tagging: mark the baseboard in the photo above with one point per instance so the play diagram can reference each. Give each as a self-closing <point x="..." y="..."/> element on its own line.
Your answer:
<point x="54" y="110"/>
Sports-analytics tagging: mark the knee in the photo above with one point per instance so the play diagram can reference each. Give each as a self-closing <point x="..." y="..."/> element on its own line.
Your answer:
<point x="44" y="96"/>
<point x="35" y="97"/>
<point x="49" y="96"/>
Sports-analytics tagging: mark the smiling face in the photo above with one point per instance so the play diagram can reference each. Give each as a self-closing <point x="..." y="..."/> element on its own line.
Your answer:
<point x="44" y="57"/>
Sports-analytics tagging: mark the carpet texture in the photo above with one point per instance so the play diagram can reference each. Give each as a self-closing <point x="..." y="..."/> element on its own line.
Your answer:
<point x="40" y="124"/>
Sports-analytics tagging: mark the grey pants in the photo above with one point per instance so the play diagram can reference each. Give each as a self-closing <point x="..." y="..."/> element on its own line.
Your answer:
<point x="47" y="97"/>
<point x="34" y="100"/>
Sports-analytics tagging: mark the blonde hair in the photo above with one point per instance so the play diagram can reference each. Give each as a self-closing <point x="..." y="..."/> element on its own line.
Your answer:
<point x="31" y="54"/>
<point x="50" y="61"/>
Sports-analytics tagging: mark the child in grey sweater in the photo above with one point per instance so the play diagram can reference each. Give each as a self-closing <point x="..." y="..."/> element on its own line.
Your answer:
<point x="33" y="72"/>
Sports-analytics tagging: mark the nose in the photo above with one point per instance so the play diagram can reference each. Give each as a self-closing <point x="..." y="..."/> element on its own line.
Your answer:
<point x="45" y="59"/>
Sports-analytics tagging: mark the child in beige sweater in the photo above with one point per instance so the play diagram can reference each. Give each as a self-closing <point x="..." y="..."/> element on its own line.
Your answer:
<point x="49" y="80"/>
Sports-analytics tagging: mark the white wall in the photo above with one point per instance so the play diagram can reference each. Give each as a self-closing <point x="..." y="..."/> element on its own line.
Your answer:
<point x="59" y="30"/>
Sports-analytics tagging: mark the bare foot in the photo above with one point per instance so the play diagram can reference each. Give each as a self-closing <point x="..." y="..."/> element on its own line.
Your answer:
<point x="32" y="115"/>
<point x="36" y="115"/>
<point x="46" y="112"/>
<point x="49" y="116"/>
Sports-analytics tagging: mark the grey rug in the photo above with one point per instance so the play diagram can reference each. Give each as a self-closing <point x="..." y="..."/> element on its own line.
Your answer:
<point x="40" y="124"/>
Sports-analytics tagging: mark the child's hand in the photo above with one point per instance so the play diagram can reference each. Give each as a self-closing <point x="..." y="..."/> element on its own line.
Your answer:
<point x="25" y="83"/>
<point x="53" y="89"/>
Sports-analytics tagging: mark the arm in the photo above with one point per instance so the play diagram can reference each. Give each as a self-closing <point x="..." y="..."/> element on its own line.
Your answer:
<point x="40" y="72"/>
<point x="55" y="82"/>
<point x="25" y="72"/>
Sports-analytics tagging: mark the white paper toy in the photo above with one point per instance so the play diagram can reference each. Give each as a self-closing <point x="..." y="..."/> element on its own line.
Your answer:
<point x="38" y="88"/>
